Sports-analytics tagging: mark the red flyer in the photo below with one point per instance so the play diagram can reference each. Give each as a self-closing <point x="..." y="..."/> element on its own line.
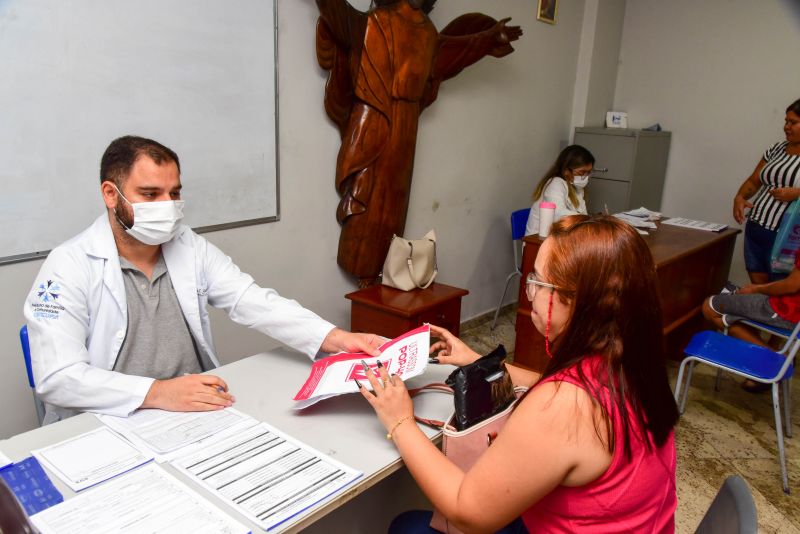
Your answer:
<point x="405" y="356"/>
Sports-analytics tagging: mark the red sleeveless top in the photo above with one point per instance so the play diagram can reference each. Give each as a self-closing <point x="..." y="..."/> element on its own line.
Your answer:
<point x="636" y="495"/>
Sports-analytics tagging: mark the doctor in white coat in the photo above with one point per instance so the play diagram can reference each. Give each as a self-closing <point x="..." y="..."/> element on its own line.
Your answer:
<point x="110" y="299"/>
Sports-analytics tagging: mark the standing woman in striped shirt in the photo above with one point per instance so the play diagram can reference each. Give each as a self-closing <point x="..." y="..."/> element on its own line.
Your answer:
<point x="774" y="183"/>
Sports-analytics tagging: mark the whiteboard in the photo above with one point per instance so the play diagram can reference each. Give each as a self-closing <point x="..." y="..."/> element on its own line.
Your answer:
<point x="196" y="75"/>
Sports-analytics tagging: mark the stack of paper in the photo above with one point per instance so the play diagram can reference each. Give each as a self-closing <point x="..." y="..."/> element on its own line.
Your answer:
<point x="644" y="213"/>
<point x="640" y="224"/>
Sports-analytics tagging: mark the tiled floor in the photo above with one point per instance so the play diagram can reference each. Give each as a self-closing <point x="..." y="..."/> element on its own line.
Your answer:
<point x="722" y="433"/>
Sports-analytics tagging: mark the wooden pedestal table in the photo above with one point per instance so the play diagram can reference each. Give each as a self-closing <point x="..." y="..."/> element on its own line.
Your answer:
<point x="390" y="312"/>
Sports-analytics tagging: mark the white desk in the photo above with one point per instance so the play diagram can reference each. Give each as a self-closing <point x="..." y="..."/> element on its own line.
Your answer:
<point x="344" y="427"/>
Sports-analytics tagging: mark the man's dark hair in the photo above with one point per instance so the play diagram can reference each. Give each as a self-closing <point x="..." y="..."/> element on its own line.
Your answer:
<point x="122" y="153"/>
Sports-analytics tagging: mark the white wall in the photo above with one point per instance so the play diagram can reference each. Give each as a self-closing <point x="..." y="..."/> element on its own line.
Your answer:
<point x="598" y="56"/>
<point x="718" y="74"/>
<point x="494" y="129"/>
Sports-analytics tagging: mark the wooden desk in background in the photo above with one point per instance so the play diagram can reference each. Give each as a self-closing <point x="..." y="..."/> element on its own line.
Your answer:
<point x="691" y="265"/>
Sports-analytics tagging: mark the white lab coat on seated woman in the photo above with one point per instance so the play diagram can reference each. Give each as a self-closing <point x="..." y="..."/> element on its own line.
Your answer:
<point x="557" y="192"/>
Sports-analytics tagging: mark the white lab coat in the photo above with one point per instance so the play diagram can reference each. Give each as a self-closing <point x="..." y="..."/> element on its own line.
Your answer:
<point x="77" y="317"/>
<point x="556" y="192"/>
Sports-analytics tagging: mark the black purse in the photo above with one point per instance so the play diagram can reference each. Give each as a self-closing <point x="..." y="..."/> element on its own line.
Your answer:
<point x="481" y="389"/>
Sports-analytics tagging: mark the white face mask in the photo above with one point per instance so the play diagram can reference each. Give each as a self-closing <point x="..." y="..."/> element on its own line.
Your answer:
<point x="580" y="181"/>
<point x="154" y="223"/>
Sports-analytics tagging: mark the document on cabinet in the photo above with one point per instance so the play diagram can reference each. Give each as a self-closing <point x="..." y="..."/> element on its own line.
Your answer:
<point x="166" y="433"/>
<point x="148" y="500"/>
<point x="85" y="460"/>
<point x="266" y="475"/>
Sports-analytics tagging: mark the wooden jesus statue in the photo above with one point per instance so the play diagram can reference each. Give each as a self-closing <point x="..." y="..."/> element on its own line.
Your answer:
<point x="385" y="68"/>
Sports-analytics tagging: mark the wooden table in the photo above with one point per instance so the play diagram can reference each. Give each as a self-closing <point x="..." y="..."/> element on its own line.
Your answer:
<point x="691" y="265"/>
<point x="390" y="312"/>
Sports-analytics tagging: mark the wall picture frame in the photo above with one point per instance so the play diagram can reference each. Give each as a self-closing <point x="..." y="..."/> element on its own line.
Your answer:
<point x="548" y="10"/>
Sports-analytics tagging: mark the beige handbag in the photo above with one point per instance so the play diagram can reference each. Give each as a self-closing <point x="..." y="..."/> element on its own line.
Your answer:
<point x="410" y="263"/>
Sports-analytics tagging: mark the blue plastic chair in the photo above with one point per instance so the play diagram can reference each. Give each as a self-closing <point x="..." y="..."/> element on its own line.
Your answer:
<point x="749" y="361"/>
<point x="729" y="321"/>
<point x="26" y="352"/>
<point x="519" y="220"/>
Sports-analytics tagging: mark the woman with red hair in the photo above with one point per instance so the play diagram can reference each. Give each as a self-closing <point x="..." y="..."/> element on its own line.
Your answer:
<point x="590" y="446"/>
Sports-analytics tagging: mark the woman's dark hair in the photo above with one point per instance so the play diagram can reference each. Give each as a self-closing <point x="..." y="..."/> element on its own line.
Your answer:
<point x="605" y="272"/>
<point x="122" y="153"/>
<point x="570" y="158"/>
<point x="794" y="107"/>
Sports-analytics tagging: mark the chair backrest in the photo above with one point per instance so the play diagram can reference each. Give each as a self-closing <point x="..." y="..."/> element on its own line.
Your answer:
<point x="26" y="352"/>
<point x="732" y="511"/>
<point x="790" y="350"/>
<point x="519" y="220"/>
<point x="788" y="335"/>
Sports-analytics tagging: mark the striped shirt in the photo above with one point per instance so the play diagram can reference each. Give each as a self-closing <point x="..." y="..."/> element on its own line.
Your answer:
<point x="781" y="170"/>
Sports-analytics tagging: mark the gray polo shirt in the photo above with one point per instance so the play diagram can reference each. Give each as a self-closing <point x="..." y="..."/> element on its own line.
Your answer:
<point x="158" y="343"/>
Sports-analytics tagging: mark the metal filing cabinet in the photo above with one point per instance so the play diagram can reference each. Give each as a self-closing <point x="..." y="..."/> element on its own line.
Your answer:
<point x="629" y="168"/>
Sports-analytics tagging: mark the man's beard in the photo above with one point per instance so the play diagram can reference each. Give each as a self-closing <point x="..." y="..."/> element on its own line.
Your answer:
<point x="124" y="214"/>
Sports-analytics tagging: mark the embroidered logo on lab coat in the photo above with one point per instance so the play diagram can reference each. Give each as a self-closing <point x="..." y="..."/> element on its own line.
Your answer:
<point x="47" y="293"/>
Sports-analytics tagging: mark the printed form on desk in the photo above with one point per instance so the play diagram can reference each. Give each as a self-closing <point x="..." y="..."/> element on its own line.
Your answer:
<point x="269" y="477"/>
<point x="697" y="225"/>
<point x="148" y="500"/>
<point x="168" y="434"/>
<point x="90" y="458"/>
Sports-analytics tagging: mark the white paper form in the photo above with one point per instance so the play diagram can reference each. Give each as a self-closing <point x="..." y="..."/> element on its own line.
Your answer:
<point x="267" y="475"/>
<point x="4" y="460"/>
<point x="164" y="432"/>
<point x="148" y="500"/>
<point x="697" y="225"/>
<point x="85" y="460"/>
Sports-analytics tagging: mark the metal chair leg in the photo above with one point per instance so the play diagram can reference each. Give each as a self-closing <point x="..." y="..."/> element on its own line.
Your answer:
<point x="776" y="407"/>
<point x="680" y="392"/>
<point x="786" y="385"/>
<point x="682" y="407"/>
<point x="718" y="380"/>
<point x="503" y="297"/>
<point x="678" y="382"/>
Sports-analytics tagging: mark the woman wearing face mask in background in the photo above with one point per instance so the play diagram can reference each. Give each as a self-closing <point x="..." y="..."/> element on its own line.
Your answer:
<point x="563" y="185"/>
